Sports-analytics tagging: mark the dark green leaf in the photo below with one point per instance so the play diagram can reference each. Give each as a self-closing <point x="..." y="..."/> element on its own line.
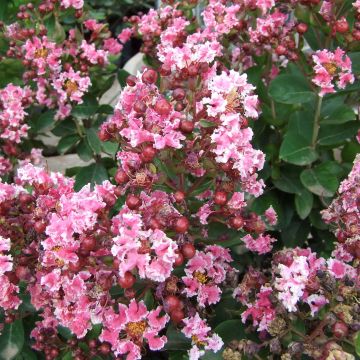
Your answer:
<point x="231" y="330"/>
<point x="350" y="150"/>
<point x="94" y="174"/>
<point x="87" y="108"/>
<point x="105" y="109"/>
<point x="303" y="203"/>
<point x="64" y="127"/>
<point x="296" y="147"/>
<point x="26" y="354"/>
<point x="84" y="150"/>
<point x="320" y="181"/>
<point x="122" y="76"/>
<point x="64" y="332"/>
<point x="295" y="234"/>
<point x="290" y="89"/>
<point x="337" y="134"/>
<point x="43" y="121"/>
<point x="67" y="142"/>
<point x="93" y="140"/>
<point x="355" y="59"/>
<point x="176" y="339"/>
<point x="338" y="115"/>
<point x="289" y="180"/>
<point x="11" y="340"/>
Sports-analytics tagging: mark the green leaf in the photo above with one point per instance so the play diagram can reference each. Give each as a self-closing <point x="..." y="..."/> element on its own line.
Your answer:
<point x="43" y="121"/>
<point x="64" y="127"/>
<point x="337" y="134"/>
<point x="350" y="150"/>
<point x="355" y="59"/>
<point x="26" y="354"/>
<point x="303" y="203"/>
<point x="67" y="356"/>
<point x="295" y="234"/>
<point x="357" y="343"/>
<point x="94" y="174"/>
<point x="93" y="140"/>
<point x="88" y="108"/>
<point x="11" y="340"/>
<point x="289" y="180"/>
<point x="105" y="109"/>
<point x="207" y="124"/>
<point x="290" y="89"/>
<point x="340" y="114"/>
<point x="110" y="147"/>
<point x="320" y="181"/>
<point x="67" y="142"/>
<point x="231" y="330"/>
<point x="176" y="339"/>
<point x="84" y="150"/>
<point x="122" y="76"/>
<point x="296" y="147"/>
<point x="64" y="332"/>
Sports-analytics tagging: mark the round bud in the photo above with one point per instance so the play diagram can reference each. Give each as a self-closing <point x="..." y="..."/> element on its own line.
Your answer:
<point x="131" y="80"/>
<point x="220" y="198"/>
<point x="127" y="281"/>
<point x="302" y="28"/>
<point x="140" y="107"/>
<point x="177" y="316"/>
<point x="340" y="329"/>
<point x="186" y="126"/>
<point x="39" y="227"/>
<point x="133" y="202"/>
<point x="181" y="225"/>
<point x="188" y="250"/>
<point x="163" y="107"/>
<point x="179" y="260"/>
<point x="148" y="153"/>
<point x="179" y="94"/>
<point x="280" y="50"/>
<point x="179" y="196"/>
<point x="121" y="176"/>
<point x="237" y="222"/>
<point x="172" y="303"/>
<point x="342" y="26"/>
<point x="149" y="76"/>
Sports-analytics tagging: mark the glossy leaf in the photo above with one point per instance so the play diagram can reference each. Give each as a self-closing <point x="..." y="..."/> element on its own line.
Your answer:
<point x="303" y="203"/>
<point x="290" y="89"/>
<point x="11" y="340"/>
<point x="296" y="147"/>
<point x="95" y="174"/>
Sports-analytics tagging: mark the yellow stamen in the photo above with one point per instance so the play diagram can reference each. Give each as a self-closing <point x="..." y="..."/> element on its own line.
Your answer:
<point x="202" y="278"/>
<point x="331" y="68"/>
<point x="198" y="342"/>
<point x="136" y="329"/>
<point x="41" y="53"/>
<point x="71" y="86"/>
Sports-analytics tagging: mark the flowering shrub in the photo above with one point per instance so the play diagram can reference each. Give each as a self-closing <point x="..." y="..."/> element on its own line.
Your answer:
<point x="217" y="219"/>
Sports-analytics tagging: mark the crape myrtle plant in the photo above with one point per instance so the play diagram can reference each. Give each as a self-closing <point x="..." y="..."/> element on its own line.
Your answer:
<point x="180" y="245"/>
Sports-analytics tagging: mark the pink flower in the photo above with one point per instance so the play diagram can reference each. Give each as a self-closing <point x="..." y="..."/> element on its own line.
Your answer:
<point x="271" y="216"/>
<point x="205" y="272"/>
<point x="261" y="245"/>
<point x="200" y="333"/>
<point x="316" y="302"/>
<point x="262" y="311"/>
<point x="332" y="68"/>
<point x="112" y="46"/>
<point x="125" y="35"/>
<point x="76" y="4"/>
<point x="128" y="328"/>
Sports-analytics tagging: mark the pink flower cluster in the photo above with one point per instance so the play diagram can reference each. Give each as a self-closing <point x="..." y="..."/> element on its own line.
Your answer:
<point x="332" y="68"/>
<point x="149" y="252"/>
<point x="8" y="291"/>
<point x="205" y="272"/>
<point x="232" y="101"/>
<point x="343" y="213"/>
<point x="13" y="101"/>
